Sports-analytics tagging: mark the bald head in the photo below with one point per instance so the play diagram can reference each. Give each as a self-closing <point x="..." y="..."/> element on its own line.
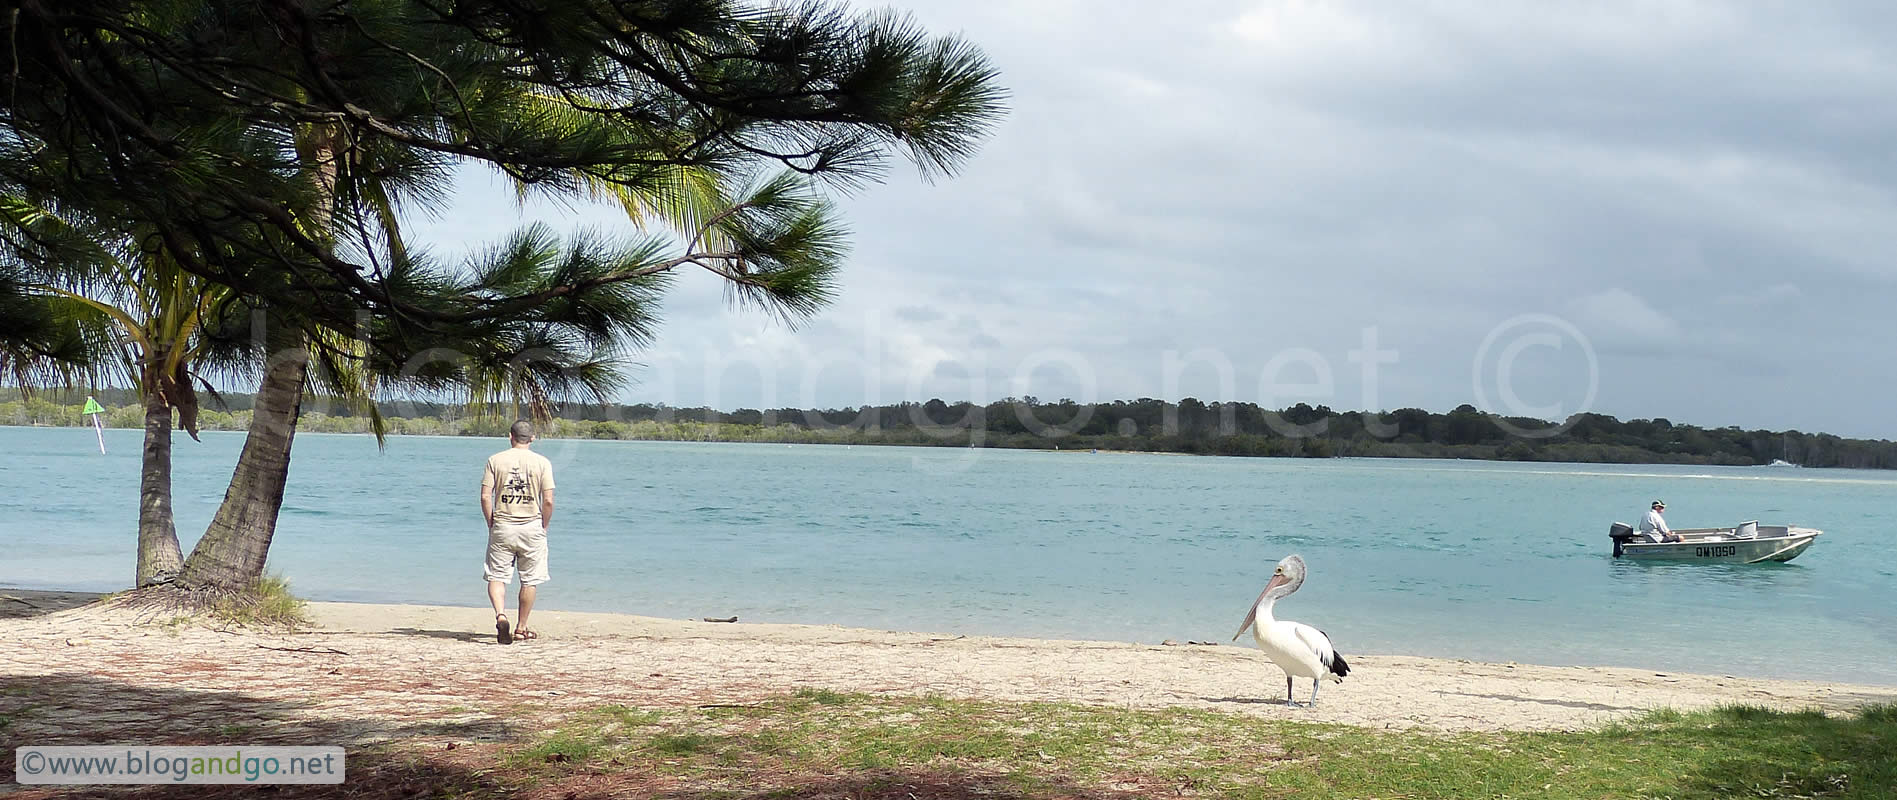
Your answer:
<point x="522" y="432"/>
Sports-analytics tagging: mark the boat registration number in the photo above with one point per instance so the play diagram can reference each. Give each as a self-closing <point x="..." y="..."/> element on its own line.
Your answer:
<point x="1716" y="551"/>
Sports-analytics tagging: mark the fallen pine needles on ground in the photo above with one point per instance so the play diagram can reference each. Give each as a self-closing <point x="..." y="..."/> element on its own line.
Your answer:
<point x="817" y="743"/>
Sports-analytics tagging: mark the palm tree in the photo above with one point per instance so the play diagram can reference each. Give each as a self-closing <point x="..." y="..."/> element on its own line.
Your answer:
<point x="544" y="357"/>
<point x="157" y="316"/>
<point x="267" y="144"/>
<point x="160" y="328"/>
<point x="140" y="321"/>
<point x="39" y="347"/>
<point x="565" y="349"/>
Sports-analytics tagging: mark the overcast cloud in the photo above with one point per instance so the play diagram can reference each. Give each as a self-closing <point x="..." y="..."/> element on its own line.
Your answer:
<point x="1675" y="209"/>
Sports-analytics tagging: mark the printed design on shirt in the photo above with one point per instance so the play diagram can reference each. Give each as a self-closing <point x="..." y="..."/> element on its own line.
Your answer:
<point x="516" y="490"/>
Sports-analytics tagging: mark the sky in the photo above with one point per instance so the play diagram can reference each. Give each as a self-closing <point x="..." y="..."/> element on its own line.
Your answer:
<point x="1645" y="209"/>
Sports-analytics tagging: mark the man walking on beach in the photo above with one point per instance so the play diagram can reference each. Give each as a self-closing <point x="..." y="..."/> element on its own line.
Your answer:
<point x="517" y="502"/>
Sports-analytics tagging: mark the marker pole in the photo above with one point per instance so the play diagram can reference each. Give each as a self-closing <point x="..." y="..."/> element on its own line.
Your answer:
<point x="93" y="408"/>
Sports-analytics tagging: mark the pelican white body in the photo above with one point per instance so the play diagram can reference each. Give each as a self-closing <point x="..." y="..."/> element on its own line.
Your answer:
<point x="1299" y="649"/>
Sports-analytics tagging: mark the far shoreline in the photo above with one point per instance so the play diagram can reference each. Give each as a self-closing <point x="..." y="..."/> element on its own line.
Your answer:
<point x="1080" y="450"/>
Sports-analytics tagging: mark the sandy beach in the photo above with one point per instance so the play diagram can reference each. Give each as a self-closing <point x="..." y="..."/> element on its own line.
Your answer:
<point x="365" y="673"/>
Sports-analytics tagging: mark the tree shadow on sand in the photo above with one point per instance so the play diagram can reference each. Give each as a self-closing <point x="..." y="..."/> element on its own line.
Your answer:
<point x="407" y="757"/>
<point x="879" y="785"/>
<point x="16" y="604"/>
<point x="403" y="779"/>
<point x="91" y="710"/>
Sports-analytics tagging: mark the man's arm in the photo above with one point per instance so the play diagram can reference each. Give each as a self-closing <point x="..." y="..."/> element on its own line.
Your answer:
<point x="487" y="496"/>
<point x="546" y="509"/>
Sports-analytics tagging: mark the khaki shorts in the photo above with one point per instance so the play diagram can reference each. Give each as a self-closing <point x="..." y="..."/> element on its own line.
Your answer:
<point x="523" y="545"/>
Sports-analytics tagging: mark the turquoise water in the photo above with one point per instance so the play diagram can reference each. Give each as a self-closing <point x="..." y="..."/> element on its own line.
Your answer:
<point x="1463" y="559"/>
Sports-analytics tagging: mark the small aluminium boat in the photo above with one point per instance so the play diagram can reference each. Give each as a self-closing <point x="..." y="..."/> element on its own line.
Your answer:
<point x="1746" y="543"/>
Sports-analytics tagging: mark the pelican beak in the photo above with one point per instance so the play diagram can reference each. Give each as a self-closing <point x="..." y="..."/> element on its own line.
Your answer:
<point x="1252" y="615"/>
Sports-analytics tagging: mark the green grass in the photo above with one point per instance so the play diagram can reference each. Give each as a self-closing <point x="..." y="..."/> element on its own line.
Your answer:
<point x="823" y="697"/>
<point x="267" y="603"/>
<point x="586" y="737"/>
<point x="1048" y="750"/>
<point x="678" y="744"/>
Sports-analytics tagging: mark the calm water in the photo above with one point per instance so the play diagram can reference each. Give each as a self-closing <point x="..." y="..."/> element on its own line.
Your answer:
<point x="1440" y="558"/>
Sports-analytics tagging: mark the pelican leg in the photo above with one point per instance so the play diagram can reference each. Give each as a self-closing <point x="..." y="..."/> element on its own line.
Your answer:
<point x="1314" y="683"/>
<point x="1287" y="693"/>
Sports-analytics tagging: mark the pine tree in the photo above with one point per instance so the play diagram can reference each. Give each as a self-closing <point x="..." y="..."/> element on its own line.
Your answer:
<point x="269" y="146"/>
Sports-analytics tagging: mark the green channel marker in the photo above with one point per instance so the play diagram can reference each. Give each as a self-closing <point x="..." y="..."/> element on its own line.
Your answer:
<point x="92" y="406"/>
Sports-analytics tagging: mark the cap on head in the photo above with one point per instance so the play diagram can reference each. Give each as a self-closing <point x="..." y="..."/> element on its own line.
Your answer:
<point x="1657" y="504"/>
<point x="522" y="432"/>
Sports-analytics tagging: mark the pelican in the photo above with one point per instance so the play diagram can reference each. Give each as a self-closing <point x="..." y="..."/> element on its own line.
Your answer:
<point x="1295" y="647"/>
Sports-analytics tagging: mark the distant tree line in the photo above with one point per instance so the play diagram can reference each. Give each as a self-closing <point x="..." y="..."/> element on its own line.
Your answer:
<point x="1189" y="426"/>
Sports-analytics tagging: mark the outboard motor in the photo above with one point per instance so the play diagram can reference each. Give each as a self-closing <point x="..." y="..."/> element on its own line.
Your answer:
<point x="1621" y="533"/>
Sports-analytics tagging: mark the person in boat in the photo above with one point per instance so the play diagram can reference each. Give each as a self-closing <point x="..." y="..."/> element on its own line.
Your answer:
<point x="1653" y="525"/>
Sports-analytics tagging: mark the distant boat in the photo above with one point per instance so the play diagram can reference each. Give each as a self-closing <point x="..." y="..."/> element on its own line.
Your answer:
<point x="1745" y="543"/>
<point x="1779" y="462"/>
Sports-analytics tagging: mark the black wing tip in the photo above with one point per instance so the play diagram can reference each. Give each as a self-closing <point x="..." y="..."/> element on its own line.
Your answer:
<point x="1338" y="665"/>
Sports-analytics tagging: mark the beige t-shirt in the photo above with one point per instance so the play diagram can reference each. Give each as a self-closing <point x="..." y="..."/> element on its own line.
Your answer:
<point x="521" y="476"/>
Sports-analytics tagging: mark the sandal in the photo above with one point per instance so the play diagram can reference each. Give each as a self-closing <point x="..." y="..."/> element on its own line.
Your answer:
<point x="501" y="631"/>
<point x="526" y="634"/>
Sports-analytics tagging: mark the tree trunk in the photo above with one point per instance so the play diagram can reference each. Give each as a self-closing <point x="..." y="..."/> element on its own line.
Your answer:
<point x="158" y="555"/>
<point x="231" y="555"/>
